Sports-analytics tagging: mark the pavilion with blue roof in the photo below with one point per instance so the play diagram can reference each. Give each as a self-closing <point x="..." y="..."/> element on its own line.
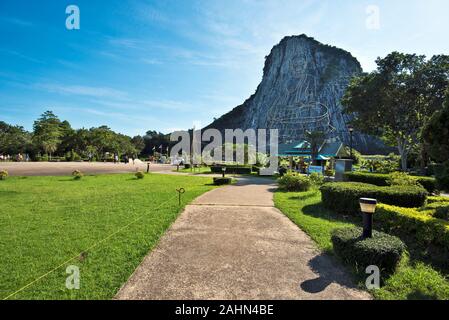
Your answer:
<point x="328" y="151"/>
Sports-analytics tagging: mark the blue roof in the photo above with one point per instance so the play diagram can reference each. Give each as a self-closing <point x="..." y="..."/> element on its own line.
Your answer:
<point x="302" y="149"/>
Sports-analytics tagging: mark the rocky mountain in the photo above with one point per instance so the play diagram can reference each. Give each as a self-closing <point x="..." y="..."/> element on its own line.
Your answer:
<point x="303" y="83"/>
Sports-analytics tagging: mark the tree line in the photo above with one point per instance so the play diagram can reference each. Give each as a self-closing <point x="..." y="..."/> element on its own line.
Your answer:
<point x="52" y="137"/>
<point x="397" y="101"/>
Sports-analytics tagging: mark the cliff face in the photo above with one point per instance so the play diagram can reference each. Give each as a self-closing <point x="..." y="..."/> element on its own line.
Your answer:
<point x="303" y="83"/>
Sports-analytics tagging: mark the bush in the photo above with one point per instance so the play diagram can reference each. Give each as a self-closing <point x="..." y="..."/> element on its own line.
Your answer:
<point x="442" y="211"/>
<point x="328" y="172"/>
<point x="231" y="169"/>
<point x="77" y="175"/>
<point x="316" y="179"/>
<point x="294" y="182"/>
<point x="140" y="175"/>
<point x="383" y="250"/>
<point x="222" y="181"/>
<point x="3" y="174"/>
<point x="438" y="210"/>
<point x="343" y="197"/>
<point x="438" y="199"/>
<point x="383" y="180"/>
<point x="425" y="229"/>
<point x="401" y="179"/>
<point x="72" y="156"/>
<point x="442" y="175"/>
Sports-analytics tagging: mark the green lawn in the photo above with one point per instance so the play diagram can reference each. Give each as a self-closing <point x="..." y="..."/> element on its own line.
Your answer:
<point x="413" y="279"/>
<point x="45" y="221"/>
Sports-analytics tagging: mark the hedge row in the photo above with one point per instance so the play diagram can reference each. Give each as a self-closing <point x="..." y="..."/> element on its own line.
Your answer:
<point x="383" y="250"/>
<point x="425" y="228"/>
<point x="343" y="197"/>
<point x="382" y="180"/>
<point x="231" y="169"/>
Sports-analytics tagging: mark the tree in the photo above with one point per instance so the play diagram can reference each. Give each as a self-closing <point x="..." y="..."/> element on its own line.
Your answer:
<point x="436" y="134"/>
<point x="14" y="139"/>
<point x="395" y="101"/>
<point x="316" y="139"/>
<point x="139" y="143"/>
<point x="47" y="132"/>
<point x="154" y="139"/>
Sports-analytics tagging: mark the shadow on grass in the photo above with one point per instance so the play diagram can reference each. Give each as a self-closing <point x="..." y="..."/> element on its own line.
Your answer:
<point x="302" y="197"/>
<point x="319" y="211"/>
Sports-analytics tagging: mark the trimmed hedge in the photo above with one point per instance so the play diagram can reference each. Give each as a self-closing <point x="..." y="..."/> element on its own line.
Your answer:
<point x="231" y="169"/>
<point x="383" y="250"/>
<point x="343" y="197"/>
<point x="425" y="229"/>
<point x="438" y="199"/>
<point x="377" y="179"/>
<point x="222" y="181"/>
<point x="294" y="182"/>
<point x="382" y="180"/>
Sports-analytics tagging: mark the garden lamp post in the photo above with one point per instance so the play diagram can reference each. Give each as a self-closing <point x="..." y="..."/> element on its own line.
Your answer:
<point x="368" y="208"/>
<point x="351" y="132"/>
<point x="223" y="170"/>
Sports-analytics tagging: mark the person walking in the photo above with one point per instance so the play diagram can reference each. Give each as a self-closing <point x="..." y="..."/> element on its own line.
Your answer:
<point x="115" y="158"/>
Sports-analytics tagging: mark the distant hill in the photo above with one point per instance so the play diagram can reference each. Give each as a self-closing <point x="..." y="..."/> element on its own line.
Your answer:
<point x="303" y="83"/>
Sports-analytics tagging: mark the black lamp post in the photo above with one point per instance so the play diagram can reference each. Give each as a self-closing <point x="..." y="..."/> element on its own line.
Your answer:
<point x="351" y="132"/>
<point x="368" y="208"/>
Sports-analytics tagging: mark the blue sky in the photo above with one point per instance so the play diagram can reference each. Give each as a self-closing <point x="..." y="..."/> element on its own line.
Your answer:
<point x="166" y="65"/>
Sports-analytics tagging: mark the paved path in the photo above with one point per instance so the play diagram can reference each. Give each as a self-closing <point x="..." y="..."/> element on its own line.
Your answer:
<point x="231" y="243"/>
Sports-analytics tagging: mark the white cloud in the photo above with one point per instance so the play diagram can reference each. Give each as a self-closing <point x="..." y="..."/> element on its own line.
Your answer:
<point x="82" y="90"/>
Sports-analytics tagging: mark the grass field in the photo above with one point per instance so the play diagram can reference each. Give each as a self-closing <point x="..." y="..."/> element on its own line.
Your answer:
<point x="47" y="221"/>
<point x="412" y="280"/>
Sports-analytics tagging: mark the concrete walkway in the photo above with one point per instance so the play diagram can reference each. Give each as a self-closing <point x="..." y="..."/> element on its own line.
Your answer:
<point x="231" y="243"/>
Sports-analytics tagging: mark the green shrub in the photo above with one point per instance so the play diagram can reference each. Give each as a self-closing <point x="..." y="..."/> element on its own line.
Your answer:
<point x="343" y="197"/>
<point x="328" y="172"/>
<point x="401" y="179"/>
<point x="438" y="210"/>
<point x="383" y="250"/>
<point x="383" y="180"/>
<point x="3" y="174"/>
<point x="230" y="169"/>
<point x="140" y="175"/>
<point x="72" y="156"/>
<point x="77" y="175"/>
<point x="437" y="199"/>
<point x="442" y="175"/>
<point x="424" y="228"/>
<point x="222" y="181"/>
<point x="43" y="158"/>
<point x="294" y="182"/>
<point x="316" y="179"/>
<point x="377" y="179"/>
